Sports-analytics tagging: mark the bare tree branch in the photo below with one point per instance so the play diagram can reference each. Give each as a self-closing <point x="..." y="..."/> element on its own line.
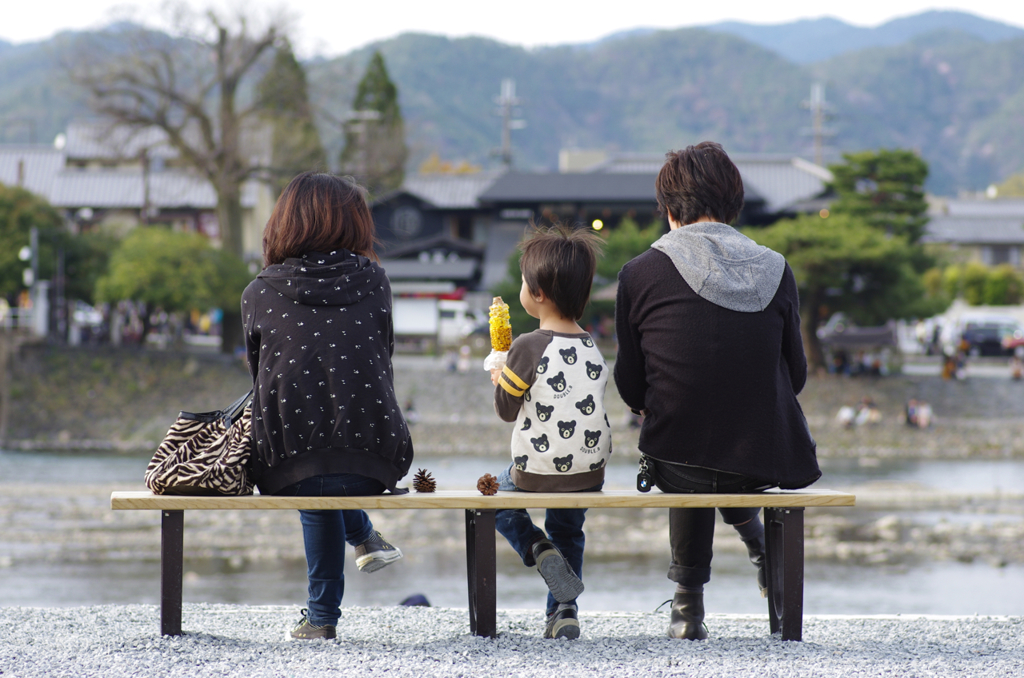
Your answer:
<point x="189" y="87"/>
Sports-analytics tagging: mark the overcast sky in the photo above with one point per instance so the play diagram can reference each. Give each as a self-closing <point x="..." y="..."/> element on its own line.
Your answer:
<point x="332" y="27"/>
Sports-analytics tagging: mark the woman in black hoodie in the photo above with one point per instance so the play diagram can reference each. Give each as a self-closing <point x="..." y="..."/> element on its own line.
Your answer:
<point x="319" y="340"/>
<point x="710" y="352"/>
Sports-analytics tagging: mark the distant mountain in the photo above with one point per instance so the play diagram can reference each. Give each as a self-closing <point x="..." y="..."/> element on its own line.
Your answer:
<point x="811" y="40"/>
<point x="954" y="96"/>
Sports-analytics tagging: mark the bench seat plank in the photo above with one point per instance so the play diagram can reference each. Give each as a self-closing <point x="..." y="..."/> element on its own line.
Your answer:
<point x="471" y="499"/>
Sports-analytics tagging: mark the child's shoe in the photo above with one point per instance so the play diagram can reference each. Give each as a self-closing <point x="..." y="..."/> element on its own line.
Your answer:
<point x="563" y="623"/>
<point x="306" y="630"/>
<point x="563" y="583"/>
<point x="375" y="553"/>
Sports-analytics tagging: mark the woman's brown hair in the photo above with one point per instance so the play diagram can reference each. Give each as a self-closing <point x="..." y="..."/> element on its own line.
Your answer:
<point x="319" y="212"/>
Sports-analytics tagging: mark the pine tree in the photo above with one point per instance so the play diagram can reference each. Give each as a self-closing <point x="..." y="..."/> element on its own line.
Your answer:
<point x="284" y="99"/>
<point x="885" y="188"/>
<point x="375" y="150"/>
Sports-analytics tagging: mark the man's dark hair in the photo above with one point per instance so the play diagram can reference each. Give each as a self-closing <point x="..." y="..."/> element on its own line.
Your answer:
<point x="699" y="181"/>
<point x="560" y="262"/>
<point x="319" y="212"/>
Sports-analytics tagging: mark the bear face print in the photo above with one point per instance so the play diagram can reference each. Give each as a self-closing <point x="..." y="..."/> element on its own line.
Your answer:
<point x="520" y="462"/>
<point x="594" y="371"/>
<point x="563" y="464"/>
<point x="526" y="424"/>
<point x="526" y="396"/>
<point x="566" y="428"/>
<point x="591" y="438"/>
<point x="594" y="467"/>
<point x="587" y="405"/>
<point x="544" y="411"/>
<point x="557" y="382"/>
<point x="568" y="355"/>
<point x="541" y="444"/>
<point x="542" y="366"/>
<point x="588" y="342"/>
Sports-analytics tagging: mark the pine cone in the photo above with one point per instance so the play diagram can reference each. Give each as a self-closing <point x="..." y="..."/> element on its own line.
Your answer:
<point x="423" y="481"/>
<point x="487" y="484"/>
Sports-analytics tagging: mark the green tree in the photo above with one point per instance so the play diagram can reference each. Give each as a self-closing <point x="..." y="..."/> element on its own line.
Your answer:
<point x="284" y="97"/>
<point x="20" y="210"/>
<point x="885" y="188"/>
<point x="172" y="271"/>
<point x="375" y="150"/>
<point x="979" y="284"/>
<point x="973" y="278"/>
<point x="1013" y="187"/>
<point x="844" y="264"/>
<point x="624" y="242"/>
<point x="86" y="257"/>
<point x="1004" y="286"/>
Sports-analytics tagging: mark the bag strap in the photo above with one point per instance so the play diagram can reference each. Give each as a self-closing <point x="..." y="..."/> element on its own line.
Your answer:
<point x="233" y="411"/>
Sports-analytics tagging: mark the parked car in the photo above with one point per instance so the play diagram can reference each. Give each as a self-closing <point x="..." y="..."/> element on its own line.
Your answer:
<point x="990" y="336"/>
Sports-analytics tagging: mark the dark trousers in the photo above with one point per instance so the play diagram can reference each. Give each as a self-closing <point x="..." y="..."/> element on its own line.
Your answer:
<point x="324" y="534"/>
<point x="692" y="530"/>
<point x="563" y="527"/>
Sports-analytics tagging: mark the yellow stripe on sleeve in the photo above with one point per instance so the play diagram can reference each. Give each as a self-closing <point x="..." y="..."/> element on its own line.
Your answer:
<point x="511" y="376"/>
<point x="512" y="383"/>
<point x="503" y="382"/>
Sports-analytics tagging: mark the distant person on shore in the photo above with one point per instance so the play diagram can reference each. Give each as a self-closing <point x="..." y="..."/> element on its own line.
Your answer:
<point x="867" y="412"/>
<point x="708" y="325"/>
<point x="553" y="386"/>
<point x="319" y="340"/>
<point x="918" y="413"/>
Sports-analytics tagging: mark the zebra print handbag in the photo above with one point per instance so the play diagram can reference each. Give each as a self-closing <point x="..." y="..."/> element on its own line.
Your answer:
<point x="206" y="453"/>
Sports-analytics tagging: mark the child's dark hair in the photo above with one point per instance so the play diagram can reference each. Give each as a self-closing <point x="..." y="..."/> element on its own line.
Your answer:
<point x="560" y="261"/>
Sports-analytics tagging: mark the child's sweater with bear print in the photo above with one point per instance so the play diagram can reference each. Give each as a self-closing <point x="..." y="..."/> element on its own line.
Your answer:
<point x="553" y="388"/>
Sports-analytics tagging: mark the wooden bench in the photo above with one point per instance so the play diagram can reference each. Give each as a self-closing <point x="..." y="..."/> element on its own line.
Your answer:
<point x="784" y="529"/>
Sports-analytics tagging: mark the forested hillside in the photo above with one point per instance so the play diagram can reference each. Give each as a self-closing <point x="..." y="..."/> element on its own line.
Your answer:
<point x="955" y="96"/>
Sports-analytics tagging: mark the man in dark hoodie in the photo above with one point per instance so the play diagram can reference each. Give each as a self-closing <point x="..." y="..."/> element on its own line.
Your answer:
<point x="710" y="353"/>
<point x="319" y="340"/>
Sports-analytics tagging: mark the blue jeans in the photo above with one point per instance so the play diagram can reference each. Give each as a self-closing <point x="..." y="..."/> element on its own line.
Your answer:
<point x="564" y="528"/>
<point x="325" y="533"/>
<point x="691" y="531"/>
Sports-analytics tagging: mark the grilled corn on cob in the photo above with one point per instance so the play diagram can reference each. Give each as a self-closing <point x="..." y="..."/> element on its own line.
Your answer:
<point x="501" y="328"/>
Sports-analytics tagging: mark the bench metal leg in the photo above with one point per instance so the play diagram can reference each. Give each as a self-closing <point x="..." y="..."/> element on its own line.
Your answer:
<point x="172" y="531"/>
<point x="784" y="537"/>
<point x="480" y="570"/>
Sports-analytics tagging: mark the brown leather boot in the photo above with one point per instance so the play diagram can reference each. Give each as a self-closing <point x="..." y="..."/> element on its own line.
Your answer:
<point x="688" y="617"/>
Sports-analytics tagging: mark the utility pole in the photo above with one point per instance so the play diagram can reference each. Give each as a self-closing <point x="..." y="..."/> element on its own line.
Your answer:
<point x="144" y="160"/>
<point x="821" y="111"/>
<point x="507" y="101"/>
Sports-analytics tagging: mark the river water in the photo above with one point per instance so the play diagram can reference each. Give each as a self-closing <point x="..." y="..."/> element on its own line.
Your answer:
<point x="621" y="582"/>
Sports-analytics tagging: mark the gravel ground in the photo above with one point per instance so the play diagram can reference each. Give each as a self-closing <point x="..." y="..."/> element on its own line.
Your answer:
<point x="231" y="640"/>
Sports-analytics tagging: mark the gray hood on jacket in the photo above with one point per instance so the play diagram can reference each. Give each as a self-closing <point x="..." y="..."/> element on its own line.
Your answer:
<point x="724" y="266"/>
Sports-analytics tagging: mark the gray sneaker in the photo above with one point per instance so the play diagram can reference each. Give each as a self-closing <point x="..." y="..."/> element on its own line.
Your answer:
<point x="563" y="583"/>
<point x="563" y="623"/>
<point x="375" y="553"/>
<point x="306" y="630"/>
